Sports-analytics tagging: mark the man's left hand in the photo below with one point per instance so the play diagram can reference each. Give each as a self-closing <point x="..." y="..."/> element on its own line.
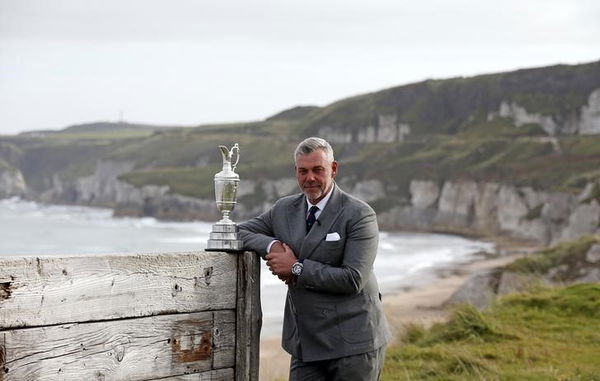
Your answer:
<point x="280" y="262"/>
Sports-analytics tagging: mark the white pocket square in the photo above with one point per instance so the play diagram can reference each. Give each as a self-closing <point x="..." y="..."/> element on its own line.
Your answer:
<point x="332" y="237"/>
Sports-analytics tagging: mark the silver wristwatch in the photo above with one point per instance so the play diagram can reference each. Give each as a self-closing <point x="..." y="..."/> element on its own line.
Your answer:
<point x="297" y="268"/>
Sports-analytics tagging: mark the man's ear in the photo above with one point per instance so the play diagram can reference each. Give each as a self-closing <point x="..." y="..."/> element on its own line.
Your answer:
<point x="334" y="166"/>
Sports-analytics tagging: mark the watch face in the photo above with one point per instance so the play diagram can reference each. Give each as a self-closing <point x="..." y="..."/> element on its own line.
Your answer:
<point x="297" y="268"/>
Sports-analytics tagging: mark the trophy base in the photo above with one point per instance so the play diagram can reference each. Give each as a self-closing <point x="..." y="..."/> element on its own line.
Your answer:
<point x="225" y="237"/>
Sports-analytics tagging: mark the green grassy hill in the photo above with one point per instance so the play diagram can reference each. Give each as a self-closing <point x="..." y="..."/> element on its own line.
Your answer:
<point x="542" y="333"/>
<point x="545" y="334"/>
<point x="450" y="106"/>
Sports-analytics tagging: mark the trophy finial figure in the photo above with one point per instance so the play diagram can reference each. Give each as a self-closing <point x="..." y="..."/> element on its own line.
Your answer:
<point x="225" y="236"/>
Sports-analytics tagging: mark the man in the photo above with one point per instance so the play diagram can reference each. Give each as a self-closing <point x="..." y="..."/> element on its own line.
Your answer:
<point x="322" y="243"/>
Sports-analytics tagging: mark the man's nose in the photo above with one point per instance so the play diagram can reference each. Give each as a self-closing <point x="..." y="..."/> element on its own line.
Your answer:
<point x="310" y="176"/>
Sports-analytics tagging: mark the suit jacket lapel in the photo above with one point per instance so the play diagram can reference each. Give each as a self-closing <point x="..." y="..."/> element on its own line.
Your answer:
<point x="297" y="222"/>
<point x="319" y="230"/>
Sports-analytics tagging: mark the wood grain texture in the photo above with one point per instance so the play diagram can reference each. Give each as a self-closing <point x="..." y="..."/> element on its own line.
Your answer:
<point x="37" y="291"/>
<point x="224" y="339"/>
<point x="248" y="317"/>
<point x="214" y="375"/>
<point x="174" y="316"/>
<point x="131" y="349"/>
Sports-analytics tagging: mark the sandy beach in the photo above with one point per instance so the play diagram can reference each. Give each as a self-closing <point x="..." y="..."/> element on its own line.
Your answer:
<point x="419" y="305"/>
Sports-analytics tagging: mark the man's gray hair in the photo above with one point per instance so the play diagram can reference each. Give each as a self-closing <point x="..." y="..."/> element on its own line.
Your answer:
<point x="310" y="145"/>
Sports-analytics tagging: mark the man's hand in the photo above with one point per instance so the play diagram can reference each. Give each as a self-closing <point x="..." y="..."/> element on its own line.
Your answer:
<point x="290" y="279"/>
<point x="280" y="260"/>
<point x="277" y="247"/>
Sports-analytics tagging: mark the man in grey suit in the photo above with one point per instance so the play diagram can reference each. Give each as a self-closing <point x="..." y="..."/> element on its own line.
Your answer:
<point x="322" y="243"/>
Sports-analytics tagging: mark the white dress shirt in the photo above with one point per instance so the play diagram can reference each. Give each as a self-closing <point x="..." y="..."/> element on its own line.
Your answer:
<point x="321" y="205"/>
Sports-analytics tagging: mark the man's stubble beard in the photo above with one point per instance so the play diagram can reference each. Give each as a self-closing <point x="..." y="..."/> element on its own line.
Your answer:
<point x="322" y="192"/>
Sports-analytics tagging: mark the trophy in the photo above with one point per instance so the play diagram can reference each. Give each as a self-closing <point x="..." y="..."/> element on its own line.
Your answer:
<point x="225" y="235"/>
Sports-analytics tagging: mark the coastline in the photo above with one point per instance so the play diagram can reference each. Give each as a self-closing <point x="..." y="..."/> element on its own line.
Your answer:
<point x="421" y="305"/>
<point x="417" y="304"/>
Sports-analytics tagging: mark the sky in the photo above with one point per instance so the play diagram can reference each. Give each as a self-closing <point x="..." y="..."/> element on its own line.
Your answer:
<point x="191" y="62"/>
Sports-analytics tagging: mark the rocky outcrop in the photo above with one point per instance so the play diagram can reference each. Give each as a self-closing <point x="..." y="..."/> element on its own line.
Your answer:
<point x="386" y="129"/>
<point x="521" y="117"/>
<point x="424" y="194"/>
<point x="495" y="209"/>
<point x="12" y="182"/>
<point x="585" y="122"/>
<point x="479" y="289"/>
<point x="464" y="207"/>
<point x="571" y="267"/>
<point x="456" y="204"/>
<point x="584" y="219"/>
<point x="368" y="190"/>
<point x="570" y="263"/>
<point x="590" y="115"/>
<point x="335" y="136"/>
<point x="103" y="188"/>
<point x="168" y="207"/>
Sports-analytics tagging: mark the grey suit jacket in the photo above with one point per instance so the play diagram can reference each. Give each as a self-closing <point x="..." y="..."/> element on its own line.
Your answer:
<point x="334" y="310"/>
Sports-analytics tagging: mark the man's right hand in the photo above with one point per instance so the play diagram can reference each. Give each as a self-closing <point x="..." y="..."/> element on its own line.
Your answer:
<point x="277" y="247"/>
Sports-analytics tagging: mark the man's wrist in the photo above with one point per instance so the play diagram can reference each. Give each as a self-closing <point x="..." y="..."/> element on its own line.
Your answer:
<point x="271" y="245"/>
<point x="297" y="267"/>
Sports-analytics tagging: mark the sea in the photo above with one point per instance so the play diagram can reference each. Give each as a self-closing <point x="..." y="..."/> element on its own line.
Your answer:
<point x="404" y="261"/>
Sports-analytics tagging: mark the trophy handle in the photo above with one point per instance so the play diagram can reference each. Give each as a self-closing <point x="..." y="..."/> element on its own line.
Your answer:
<point x="237" y="148"/>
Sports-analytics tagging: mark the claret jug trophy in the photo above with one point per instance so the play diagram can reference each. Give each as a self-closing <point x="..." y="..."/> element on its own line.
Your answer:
<point x="225" y="234"/>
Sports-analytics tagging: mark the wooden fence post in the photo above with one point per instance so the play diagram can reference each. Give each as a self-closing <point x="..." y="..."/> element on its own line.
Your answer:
<point x="248" y="317"/>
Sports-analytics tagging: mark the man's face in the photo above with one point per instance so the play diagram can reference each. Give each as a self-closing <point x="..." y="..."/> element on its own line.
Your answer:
<point x="315" y="174"/>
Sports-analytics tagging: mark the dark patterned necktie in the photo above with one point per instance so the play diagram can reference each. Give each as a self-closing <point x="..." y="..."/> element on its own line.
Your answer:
<point x="310" y="221"/>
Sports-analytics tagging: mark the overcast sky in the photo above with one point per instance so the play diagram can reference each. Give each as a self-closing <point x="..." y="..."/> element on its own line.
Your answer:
<point x="184" y="62"/>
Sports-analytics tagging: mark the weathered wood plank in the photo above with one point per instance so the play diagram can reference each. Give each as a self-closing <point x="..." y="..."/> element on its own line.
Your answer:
<point x="130" y="349"/>
<point x="213" y="375"/>
<point x="224" y="339"/>
<point x="36" y="291"/>
<point x="248" y="317"/>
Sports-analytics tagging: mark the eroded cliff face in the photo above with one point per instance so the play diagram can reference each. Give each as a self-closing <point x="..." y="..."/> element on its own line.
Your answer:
<point x="590" y="115"/>
<point x="103" y="188"/>
<point x="571" y="263"/>
<point x="464" y="207"/>
<point x="391" y="128"/>
<point x="385" y="129"/>
<point x="585" y="122"/>
<point x="12" y="183"/>
<point x="496" y="209"/>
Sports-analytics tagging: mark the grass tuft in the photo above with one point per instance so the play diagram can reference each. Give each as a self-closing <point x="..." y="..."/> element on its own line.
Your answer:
<point x="466" y="323"/>
<point x="413" y="332"/>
